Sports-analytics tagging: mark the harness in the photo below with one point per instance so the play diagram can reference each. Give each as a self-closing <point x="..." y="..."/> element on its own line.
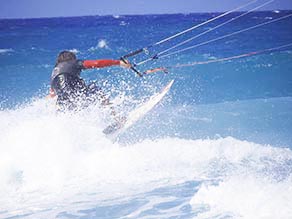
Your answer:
<point x="66" y="75"/>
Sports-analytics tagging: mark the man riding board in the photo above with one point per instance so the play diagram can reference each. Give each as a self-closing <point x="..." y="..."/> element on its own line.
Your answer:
<point x="71" y="90"/>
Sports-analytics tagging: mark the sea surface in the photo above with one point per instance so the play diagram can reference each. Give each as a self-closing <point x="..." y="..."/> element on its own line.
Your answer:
<point x="218" y="146"/>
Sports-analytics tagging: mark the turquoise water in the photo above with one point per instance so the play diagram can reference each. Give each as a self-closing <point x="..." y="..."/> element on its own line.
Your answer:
<point x="218" y="146"/>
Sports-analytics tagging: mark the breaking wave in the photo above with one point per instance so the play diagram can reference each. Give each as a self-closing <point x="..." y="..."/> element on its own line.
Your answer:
<point x="64" y="160"/>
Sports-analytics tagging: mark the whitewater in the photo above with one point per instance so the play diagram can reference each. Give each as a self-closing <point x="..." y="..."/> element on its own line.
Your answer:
<point x="83" y="174"/>
<point x="218" y="146"/>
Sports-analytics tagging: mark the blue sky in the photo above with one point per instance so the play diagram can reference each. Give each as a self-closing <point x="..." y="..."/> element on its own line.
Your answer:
<point x="64" y="8"/>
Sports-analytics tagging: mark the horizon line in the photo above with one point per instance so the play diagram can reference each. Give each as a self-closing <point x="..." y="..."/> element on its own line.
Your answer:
<point x="107" y="15"/>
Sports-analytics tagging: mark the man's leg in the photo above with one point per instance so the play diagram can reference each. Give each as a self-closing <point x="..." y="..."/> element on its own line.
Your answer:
<point x="96" y="93"/>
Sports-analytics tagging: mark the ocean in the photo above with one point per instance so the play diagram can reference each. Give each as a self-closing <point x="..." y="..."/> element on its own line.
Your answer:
<point x="219" y="145"/>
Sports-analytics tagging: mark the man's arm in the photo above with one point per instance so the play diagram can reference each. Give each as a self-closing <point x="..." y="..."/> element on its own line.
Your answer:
<point x="104" y="63"/>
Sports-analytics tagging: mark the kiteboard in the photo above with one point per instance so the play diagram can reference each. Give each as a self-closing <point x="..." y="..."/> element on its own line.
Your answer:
<point x="116" y="129"/>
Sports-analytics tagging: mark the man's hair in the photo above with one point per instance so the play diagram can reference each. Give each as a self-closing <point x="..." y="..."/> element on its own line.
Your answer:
<point x="65" y="56"/>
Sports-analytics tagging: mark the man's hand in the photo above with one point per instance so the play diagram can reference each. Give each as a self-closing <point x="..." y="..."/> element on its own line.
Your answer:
<point x="126" y="64"/>
<point x="52" y="94"/>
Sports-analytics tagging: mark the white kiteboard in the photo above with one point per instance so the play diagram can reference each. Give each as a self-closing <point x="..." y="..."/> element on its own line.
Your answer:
<point x="113" y="131"/>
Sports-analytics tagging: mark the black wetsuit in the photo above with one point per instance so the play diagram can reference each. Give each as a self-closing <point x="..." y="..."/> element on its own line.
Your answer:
<point x="71" y="90"/>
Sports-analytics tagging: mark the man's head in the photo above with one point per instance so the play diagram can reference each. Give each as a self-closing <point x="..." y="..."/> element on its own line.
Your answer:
<point x="65" y="56"/>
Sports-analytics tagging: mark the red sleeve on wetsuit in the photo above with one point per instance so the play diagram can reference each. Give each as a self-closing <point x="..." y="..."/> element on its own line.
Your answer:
<point x="100" y="63"/>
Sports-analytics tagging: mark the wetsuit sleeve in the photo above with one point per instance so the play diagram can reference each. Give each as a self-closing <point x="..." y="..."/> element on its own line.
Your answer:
<point x="99" y="63"/>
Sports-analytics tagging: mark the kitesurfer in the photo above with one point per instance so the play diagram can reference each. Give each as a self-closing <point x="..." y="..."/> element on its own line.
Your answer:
<point x="71" y="90"/>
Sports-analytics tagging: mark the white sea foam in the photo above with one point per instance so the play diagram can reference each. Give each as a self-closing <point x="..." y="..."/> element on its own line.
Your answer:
<point x="50" y="161"/>
<point x="268" y="18"/>
<point x="123" y="23"/>
<point x="245" y="196"/>
<point x="2" y="51"/>
<point x="102" y="44"/>
<point x="74" y="50"/>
